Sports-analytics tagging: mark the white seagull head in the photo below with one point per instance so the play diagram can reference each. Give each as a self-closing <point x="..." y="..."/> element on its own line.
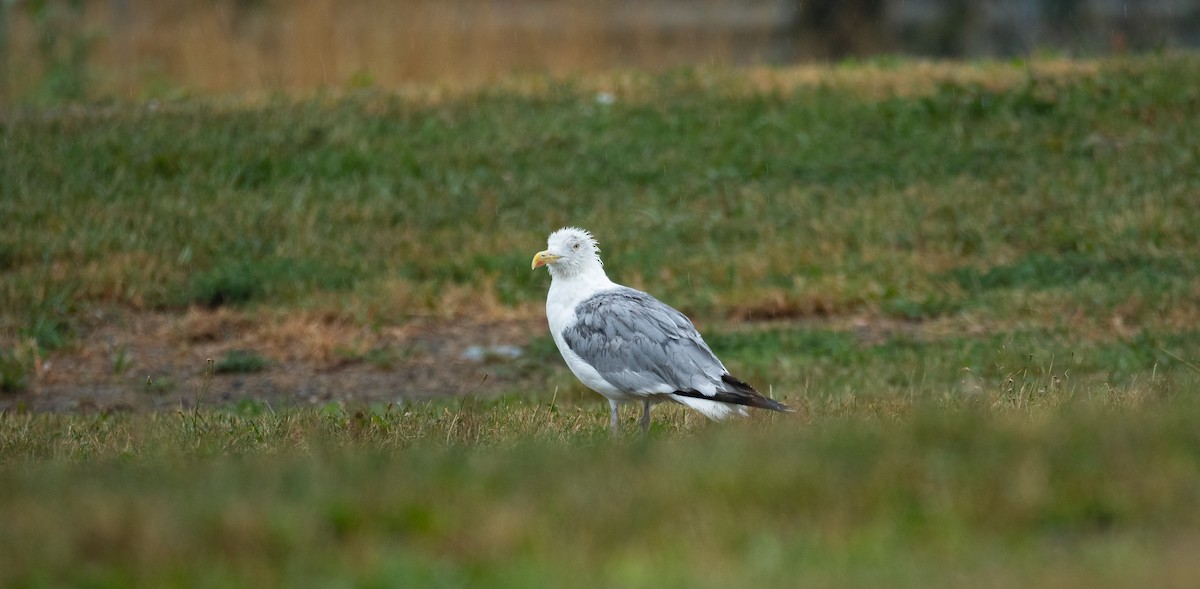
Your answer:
<point x="570" y="251"/>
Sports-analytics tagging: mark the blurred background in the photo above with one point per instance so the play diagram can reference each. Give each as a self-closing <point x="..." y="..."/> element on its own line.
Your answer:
<point x="54" y="50"/>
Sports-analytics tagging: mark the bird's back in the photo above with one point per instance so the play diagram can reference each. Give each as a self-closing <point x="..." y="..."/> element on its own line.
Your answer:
<point x="641" y="345"/>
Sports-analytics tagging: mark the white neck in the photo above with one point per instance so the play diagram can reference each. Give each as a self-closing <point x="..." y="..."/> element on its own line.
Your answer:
<point x="568" y="289"/>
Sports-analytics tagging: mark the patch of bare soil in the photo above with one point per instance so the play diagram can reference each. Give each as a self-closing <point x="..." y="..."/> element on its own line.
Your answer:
<point x="136" y="361"/>
<point x="145" y="361"/>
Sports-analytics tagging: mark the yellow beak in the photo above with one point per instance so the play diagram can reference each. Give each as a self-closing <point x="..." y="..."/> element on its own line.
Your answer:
<point x="542" y="258"/>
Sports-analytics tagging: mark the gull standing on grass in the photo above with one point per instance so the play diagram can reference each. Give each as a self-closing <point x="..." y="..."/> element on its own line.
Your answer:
<point x="628" y="345"/>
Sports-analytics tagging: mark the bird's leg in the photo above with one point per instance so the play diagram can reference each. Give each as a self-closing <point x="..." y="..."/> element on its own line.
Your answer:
<point x="612" y="422"/>
<point x="645" y="416"/>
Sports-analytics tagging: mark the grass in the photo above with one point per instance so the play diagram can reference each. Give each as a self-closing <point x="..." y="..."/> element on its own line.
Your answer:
<point x="1032" y="198"/>
<point x="813" y="200"/>
<point x="65" y="50"/>
<point x="977" y="283"/>
<point x="1097" y="492"/>
<point x="240" y="361"/>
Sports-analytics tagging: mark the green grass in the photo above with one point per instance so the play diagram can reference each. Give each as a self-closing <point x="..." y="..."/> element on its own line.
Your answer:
<point x="1062" y="203"/>
<point x="240" y="361"/>
<point x="985" y="298"/>
<point x="718" y="198"/>
<point x="1102" y="492"/>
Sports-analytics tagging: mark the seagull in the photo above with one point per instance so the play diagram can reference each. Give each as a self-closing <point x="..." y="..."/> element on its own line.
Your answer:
<point x="628" y="345"/>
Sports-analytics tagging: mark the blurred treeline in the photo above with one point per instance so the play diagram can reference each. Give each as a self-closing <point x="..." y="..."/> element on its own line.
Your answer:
<point x="54" y="50"/>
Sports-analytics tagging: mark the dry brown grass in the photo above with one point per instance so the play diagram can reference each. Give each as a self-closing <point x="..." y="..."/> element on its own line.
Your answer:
<point x="252" y="47"/>
<point x="879" y="80"/>
<point x="430" y="50"/>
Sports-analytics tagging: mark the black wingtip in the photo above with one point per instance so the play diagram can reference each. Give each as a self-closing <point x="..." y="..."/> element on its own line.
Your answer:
<point x="752" y="397"/>
<point x="740" y="393"/>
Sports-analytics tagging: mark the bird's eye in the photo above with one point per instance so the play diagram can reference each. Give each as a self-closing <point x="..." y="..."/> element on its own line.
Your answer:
<point x="575" y="247"/>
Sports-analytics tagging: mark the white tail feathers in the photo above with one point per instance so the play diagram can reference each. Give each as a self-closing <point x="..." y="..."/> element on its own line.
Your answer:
<point x="714" y="410"/>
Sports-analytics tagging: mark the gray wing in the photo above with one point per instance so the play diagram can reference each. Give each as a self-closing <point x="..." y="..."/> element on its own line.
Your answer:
<point x="641" y="345"/>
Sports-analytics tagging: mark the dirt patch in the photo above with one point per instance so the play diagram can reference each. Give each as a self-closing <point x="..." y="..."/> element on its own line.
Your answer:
<point x="144" y="361"/>
<point x="155" y="361"/>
